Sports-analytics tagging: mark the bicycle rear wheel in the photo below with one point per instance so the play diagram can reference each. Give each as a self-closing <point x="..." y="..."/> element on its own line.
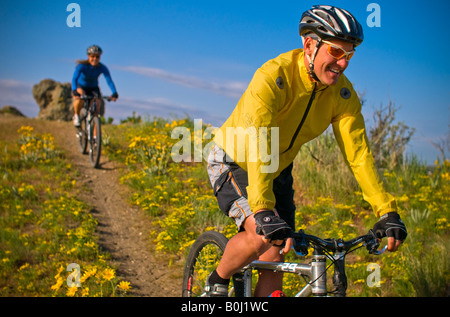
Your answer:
<point x="96" y="141"/>
<point x="82" y="136"/>
<point x="203" y="258"/>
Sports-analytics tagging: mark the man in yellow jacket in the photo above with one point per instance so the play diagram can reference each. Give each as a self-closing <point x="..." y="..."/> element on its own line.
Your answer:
<point x="291" y="100"/>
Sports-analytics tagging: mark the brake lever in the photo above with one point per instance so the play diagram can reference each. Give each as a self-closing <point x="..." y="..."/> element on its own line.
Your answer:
<point x="300" y="246"/>
<point x="373" y="246"/>
<point x="378" y="252"/>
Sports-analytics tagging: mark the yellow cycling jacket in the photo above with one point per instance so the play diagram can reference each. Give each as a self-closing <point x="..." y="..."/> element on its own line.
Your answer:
<point x="282" y="96"/>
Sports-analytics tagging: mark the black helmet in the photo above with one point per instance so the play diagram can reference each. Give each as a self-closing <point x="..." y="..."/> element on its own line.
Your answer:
<point x="94" y="49"/>
<point x="329" y="22"/>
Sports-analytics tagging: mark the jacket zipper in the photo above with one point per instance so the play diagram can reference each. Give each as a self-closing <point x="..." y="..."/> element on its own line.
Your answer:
<point x="311" y="99"/>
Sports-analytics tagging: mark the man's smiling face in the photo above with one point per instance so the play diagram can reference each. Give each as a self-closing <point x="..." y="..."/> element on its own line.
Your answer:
<point x="327" y="68"/>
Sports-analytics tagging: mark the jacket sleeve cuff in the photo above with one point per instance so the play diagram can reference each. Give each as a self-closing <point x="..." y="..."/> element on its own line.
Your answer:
<point x="260" y="206"/>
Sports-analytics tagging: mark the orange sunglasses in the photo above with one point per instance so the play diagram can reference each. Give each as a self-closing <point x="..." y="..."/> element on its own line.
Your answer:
<point x="338" y="52"/>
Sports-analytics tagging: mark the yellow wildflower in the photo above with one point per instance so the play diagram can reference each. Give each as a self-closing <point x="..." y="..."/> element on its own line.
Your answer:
<point x="85" y="292"/>
<point x="108" y="274"/>
<point x="124" y="285"/>
<point x="71" y="291"/>
<point x="58" y="284"/>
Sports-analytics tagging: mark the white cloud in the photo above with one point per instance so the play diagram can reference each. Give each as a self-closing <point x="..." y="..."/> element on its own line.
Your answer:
<point x="19" y="95"/>
<point x="230" y="89"/>
<point x="159" y="107"/>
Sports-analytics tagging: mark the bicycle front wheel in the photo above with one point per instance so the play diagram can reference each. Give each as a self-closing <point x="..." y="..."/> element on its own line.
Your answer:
<point x="203" y="258"/>
<point x="82" y="136"/>
<point x="96" y="141"/>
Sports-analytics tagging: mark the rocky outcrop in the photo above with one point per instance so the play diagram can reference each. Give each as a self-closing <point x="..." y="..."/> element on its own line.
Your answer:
<point x="11" y="110"/>
<point x="54" y="100"/>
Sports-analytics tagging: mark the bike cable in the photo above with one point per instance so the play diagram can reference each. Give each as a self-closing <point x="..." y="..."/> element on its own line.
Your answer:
<point x="333" y="262"/>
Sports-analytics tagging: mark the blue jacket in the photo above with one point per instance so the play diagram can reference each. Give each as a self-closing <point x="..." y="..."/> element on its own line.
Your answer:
<point x="86" y="76"/>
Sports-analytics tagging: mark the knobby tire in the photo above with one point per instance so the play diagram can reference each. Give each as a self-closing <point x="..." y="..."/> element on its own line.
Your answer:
<point x="82" y="137"/>
<point x="96" y="142"/>
<point x="203" y="258"/>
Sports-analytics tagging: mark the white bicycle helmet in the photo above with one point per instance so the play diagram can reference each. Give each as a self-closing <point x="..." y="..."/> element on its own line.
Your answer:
<point x="328" y="22"/>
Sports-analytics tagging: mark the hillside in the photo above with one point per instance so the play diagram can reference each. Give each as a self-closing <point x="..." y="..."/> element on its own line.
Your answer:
<point x="150" y="209"/>
<point x="123" y="230"/>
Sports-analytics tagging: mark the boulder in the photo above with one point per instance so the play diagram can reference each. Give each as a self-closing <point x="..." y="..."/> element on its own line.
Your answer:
<point x="11" y="110"/>
<point x="54" y="100"/>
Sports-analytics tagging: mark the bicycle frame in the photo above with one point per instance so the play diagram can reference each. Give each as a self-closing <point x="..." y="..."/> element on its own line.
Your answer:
<point x="90" y="115"/>
<point x="91" y="111"/>
<point x="89" y="136"/>
<point x="316" y="271"/>
<point x="199" y="264"/>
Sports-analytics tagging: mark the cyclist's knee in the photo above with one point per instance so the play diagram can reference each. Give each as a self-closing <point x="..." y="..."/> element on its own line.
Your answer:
<point x="264" y="249"/>
<point x="258" y="245"/>
<point x="272" y="255"/>
<point x="254" y="240"/>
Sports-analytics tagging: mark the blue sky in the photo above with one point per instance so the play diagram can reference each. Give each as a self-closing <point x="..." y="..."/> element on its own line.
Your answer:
<point x="197" y="57"/>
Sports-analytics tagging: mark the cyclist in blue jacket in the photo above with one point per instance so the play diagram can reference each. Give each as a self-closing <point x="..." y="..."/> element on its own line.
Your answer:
<point x="85" y="81"/>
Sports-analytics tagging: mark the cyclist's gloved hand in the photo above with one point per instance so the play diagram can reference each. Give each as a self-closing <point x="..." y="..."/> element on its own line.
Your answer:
<point x="390" y="225"/>
<point x="115" y="95"/>
<point x="75" y="93"/>
<point x="271" y="226"/>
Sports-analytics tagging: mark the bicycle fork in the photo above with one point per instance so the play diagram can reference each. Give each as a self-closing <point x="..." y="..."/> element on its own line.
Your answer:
<point x="90" y="131"/>
<point x="339" y="277"/>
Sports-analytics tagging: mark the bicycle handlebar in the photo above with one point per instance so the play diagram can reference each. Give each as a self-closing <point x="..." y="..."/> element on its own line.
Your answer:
<point x="302" y="243"/>
<point x="86" y="97"/>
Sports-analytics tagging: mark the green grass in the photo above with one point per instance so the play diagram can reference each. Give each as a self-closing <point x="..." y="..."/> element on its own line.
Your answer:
<point x="329" y="204"/>
<point x="44" y="227"/>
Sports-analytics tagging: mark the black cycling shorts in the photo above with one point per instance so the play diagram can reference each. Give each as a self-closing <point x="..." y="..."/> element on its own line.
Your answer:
<point x="230" y="183"/>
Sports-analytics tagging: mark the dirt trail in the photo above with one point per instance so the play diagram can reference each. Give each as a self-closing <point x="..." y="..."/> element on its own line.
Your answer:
<point x="123" y="230"/>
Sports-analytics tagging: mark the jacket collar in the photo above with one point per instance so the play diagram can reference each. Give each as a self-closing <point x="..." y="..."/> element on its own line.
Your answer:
<point x="309" y="84"/>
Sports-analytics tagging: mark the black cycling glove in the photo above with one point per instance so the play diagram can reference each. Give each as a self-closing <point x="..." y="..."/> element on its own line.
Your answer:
<point x="271" y="226"/>
<point x="75" y="93"/>
<point x="390" y="225"/>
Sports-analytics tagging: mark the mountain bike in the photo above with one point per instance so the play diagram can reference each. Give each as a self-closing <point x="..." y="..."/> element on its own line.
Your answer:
<point x="207" y="251"/>
<point x="90" y="129"/>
